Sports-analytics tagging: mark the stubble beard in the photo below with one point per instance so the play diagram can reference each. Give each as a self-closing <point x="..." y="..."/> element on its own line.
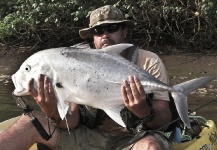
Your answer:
<point x="106" y="42"/>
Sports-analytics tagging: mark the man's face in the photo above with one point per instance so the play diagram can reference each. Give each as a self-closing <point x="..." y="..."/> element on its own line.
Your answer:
<point x="109" y="34"/>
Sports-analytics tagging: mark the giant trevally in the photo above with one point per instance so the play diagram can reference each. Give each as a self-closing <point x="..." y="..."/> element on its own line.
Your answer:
<point x="94" y="77"/>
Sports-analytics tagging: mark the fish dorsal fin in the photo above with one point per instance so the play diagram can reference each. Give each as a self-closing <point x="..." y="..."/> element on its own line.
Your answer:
<point x="114" y="113"/>
<point x="116" y="49"/>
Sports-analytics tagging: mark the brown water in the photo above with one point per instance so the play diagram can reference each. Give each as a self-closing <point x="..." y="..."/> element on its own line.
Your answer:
<point x="208" y="111"/>
<point x="8" y="106"/>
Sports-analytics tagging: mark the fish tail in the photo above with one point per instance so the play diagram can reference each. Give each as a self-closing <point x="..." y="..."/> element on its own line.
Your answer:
<point x="180" y="95"/>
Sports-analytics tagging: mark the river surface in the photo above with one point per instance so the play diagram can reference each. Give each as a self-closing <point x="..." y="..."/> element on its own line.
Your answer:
<point x="8" y="106"/>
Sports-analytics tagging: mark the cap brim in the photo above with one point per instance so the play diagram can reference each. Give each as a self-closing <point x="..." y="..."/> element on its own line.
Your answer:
<point x="87" y="32"/>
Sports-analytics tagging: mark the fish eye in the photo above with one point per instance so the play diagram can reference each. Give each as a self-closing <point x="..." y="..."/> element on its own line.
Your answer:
<point x="27" y="68"/>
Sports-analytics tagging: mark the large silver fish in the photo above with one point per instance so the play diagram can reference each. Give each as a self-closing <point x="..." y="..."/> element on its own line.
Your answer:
<point x="94" y="78"/>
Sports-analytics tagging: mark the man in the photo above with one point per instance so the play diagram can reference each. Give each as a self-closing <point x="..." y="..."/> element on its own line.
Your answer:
<point x="107" y="27"/>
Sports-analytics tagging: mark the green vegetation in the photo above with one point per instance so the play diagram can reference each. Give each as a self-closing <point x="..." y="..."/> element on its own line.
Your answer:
<point x="190" y="24"/>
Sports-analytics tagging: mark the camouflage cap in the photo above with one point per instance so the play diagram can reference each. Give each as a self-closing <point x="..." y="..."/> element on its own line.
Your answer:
<point x="104" y="15"/>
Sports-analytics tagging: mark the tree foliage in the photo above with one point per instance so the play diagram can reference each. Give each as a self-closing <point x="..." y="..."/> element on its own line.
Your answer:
<point x="51" y="23"/>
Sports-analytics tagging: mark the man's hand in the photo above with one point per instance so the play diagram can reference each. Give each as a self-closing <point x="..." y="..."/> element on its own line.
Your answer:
<point x="44" y="96"/>
<point x="134" y="97"/>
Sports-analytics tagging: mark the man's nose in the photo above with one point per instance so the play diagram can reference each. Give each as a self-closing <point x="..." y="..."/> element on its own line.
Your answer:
<point x="105" y="34"/>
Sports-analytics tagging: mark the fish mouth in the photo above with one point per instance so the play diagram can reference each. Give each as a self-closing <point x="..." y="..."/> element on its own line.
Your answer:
<point x="19" y="89"/>
<point x="20" y="92"/>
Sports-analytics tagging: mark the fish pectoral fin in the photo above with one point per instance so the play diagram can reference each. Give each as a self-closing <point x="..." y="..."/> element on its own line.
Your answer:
<point x="62" y="106"/>
<point x="62" y="109"/>
<point x="114" y="113"/>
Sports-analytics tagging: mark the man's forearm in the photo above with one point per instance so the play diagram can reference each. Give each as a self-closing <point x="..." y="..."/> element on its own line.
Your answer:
<point x="162" y="116"/>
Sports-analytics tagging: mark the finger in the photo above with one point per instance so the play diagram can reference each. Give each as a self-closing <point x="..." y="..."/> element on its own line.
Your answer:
<point x="128" y="91"/>
<point x="134" y="89"/>
<point x="32" y="89"/>
<point x="41" y="87"/>
<point x="124" y="95"/>
<point x="51" y="90"/>
<point x="46" y="88"/>
<point x="139" y="86"/>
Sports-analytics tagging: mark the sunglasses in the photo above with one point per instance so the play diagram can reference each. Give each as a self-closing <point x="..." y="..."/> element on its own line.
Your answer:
<point x="111" y="28"/>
